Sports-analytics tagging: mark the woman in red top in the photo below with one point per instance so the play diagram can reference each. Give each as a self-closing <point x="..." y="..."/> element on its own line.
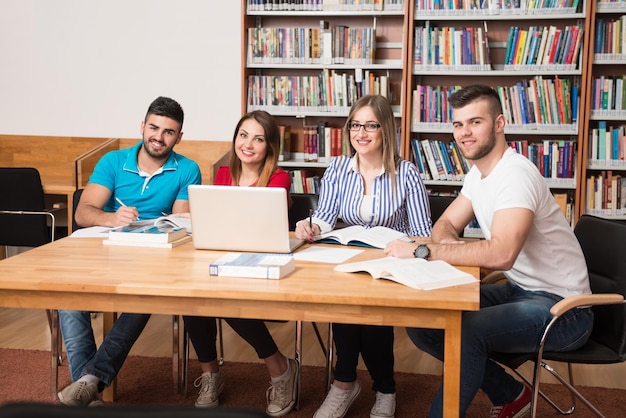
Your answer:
<point x="253" y="163"/>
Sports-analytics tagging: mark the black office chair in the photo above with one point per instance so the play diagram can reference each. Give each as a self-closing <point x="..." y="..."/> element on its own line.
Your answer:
<point x="438" y="205"/>
<point x="25" y="222"/>
<point x="300" y="206"/>
<point x="603" y="242"/>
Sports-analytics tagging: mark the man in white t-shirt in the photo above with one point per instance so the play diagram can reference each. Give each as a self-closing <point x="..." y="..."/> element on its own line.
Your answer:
<point x="526" y="236"/>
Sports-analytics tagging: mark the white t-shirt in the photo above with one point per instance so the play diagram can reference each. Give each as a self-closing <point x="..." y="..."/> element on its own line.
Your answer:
<point x="551" y="258"/>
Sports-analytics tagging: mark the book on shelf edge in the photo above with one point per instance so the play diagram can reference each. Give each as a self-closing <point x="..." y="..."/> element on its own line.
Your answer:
<point x="377" y="236"/>
<point x="416" y="273"/>
<point x="148" y="244"/>
<point x="160" y="230"/>
<point x="253" y="265"/>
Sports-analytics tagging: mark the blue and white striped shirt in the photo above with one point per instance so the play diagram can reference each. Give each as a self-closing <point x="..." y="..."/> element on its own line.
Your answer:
<point x="407" y="210"/>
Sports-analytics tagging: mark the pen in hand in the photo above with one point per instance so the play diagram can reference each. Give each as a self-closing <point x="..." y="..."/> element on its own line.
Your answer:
<point x="311" y="224"/>
<point x="118" y="200"/>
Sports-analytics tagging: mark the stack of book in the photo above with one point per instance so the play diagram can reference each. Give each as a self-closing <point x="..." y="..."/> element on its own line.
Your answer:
<point x="153" y="233"/>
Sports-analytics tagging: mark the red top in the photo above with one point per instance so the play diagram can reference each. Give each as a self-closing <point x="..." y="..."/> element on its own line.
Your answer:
<point x="280" y="178"/>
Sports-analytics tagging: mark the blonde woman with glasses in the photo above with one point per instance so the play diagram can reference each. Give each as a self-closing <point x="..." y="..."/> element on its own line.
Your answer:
<point x="373" y="186"/>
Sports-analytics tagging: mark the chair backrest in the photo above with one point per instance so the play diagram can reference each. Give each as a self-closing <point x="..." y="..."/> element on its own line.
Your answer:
<point x="438" y="205"/>
<point x="300" y="205"/>
<point x="21" y="190"/>
<point x="75" y="200"/>
<point x="603" y="242"/>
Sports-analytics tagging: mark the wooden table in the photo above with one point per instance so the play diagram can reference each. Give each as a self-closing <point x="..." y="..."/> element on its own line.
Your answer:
<point x="82" y="274"/>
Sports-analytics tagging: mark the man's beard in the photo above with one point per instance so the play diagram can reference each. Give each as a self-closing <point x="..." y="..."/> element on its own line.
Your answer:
<point x="483" y="150"/>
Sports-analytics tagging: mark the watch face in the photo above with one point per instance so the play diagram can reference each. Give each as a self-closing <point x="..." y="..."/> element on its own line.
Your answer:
<point x="422" y="251"/>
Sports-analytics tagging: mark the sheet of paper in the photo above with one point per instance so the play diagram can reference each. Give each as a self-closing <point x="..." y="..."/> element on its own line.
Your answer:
<point x="92" y="232"/>
<point x="333" y="255"/>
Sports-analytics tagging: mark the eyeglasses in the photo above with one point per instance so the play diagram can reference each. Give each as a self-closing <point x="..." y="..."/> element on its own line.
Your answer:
<point x="369" y="127"/>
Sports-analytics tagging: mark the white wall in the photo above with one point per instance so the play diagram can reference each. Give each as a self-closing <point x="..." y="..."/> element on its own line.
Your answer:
<point x="91" y="68"/>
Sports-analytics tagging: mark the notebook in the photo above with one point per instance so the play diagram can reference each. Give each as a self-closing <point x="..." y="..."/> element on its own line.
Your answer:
<point x="232" y="218"/>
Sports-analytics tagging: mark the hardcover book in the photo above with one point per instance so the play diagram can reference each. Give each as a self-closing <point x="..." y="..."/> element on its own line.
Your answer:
<point x="357" y="235"/>
<point x="253" y="265"/>
<point x="416" y="273"/>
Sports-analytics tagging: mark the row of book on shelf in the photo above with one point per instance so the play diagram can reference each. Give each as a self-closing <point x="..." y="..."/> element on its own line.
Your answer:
<point x="606" y="193"/>
<point x="302" y="181"/>
<point x="328" y="91"/>
<point x="442" y="160"/>
<point x="609" y="93"/>
<point x="504" y="7"/>
<point x="607" y="145"/>
<point x="610" y="36"/>
<point x="527" y="104"/>
<point x="324" y="5"/>
<point x="319" y="143"/>
<point x="340" y="44"/>
<point x="543" y="45"/>
<point x="455" y="48"/>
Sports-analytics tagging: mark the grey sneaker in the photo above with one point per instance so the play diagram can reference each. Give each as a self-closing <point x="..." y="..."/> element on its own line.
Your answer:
<point x="338" y="401"/>
<point x="211" y="386"/>
<point x="282" y="396"/>
<point x="80" y="394"/>
<point x="385" y="406"/>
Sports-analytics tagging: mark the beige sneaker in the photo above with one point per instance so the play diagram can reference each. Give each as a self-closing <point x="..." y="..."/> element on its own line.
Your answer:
<point x="338" y="401"/>
<point x="385" y="406"/>
<point x="282" y="396"/>
<point x="211" y="386"/>
<point x="80" y="394"/>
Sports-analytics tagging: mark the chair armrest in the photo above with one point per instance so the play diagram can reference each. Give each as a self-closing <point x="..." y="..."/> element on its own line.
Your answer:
<point x="585" y="300"/>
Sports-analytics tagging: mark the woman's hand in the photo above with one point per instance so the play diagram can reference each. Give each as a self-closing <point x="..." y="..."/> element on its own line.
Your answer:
<point x="307" y="231"/>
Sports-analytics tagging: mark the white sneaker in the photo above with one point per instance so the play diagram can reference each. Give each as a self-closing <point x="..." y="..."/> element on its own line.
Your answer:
<point x="338" y="401"/>
<point x="385" y="406"/>
<point x="211" y="385"/>
<point x="281" y="396"/>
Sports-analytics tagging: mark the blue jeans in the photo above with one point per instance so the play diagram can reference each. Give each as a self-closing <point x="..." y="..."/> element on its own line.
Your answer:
<point x="106" y="361"/>
<point x="510" y="320"/>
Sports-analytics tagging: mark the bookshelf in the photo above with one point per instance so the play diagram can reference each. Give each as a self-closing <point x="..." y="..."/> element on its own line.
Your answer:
<point x="307" y="62"/>
<point x="536" y="56"/>
<point x="603" y="190"/>
<point x="531" y="55"/>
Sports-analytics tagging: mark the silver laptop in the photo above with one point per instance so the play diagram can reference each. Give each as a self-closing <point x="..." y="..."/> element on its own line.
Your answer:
<point x="232" y="218"/>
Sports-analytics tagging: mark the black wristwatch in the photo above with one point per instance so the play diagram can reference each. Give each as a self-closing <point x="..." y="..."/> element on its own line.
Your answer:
<point x="422" y="251"/>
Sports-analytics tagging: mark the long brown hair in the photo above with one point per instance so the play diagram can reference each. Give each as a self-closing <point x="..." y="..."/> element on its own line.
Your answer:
<point x="272" y="139"/>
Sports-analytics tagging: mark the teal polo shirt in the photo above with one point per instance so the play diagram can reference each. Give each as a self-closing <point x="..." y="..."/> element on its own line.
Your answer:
<point x="152" y="195"/>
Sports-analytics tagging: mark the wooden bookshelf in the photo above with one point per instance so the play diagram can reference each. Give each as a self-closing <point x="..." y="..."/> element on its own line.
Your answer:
<point x="602" y="189"/>
<point x="555" y="121"/>
<point x="486" y="46"/>
<point x="304" y="85"/>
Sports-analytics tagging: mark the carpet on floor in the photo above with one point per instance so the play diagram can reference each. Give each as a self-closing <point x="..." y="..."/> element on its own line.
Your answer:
<point x="25" y="376"/>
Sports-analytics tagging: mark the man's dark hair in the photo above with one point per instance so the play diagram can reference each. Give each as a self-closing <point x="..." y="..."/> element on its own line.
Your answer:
<point x="164" y="106"/>
<point x="470" y="94"/>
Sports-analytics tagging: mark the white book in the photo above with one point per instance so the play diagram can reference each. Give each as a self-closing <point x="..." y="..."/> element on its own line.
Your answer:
<point x="377" y="236"/>
<point x="147" y="244"/>
<point x="416" y="273"/>
<point x="253" y="265"/>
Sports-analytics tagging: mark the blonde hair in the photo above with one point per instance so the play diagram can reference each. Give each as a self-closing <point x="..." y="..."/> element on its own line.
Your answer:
<point x="387" y="121"/>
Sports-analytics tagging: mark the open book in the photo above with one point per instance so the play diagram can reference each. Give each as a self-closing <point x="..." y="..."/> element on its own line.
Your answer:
<point x="377" y="236"/>
<point x="412" y="272"/>
<point x="160" y="230"/>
